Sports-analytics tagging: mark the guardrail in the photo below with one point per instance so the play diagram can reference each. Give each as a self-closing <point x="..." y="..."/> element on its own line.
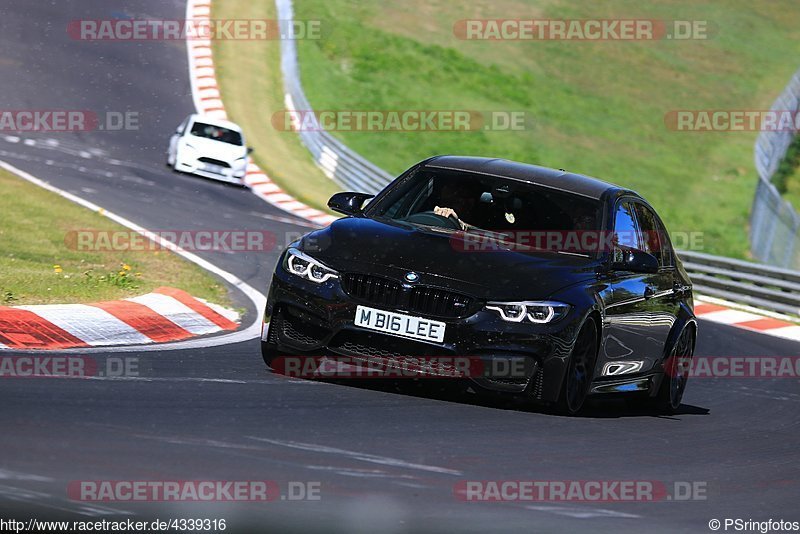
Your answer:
<point x="748" y="283"/>
<point x="774" y="222"/>
<point x="754" y="284"/>
<point x="345" y="166"/>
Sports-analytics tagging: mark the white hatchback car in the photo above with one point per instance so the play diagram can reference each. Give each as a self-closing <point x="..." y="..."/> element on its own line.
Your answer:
<point x="209" y="147"/>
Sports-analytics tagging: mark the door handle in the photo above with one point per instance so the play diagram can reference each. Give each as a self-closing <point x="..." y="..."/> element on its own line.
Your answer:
<point x="649" y="292"/>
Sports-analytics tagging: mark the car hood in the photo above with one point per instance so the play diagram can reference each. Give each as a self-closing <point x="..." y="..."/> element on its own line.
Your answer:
<point x="439" y="257"/>
<point x="216" y="149"/>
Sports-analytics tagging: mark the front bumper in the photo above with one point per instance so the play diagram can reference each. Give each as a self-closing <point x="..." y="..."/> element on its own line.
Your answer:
<point x="305" y="318"/>
<point x="233" y="174"/>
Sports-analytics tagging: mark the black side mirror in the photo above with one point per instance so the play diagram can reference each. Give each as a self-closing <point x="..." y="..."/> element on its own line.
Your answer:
<point x="250" y="150"/>
<point x="634" y="260"/>
<point x="348" y="203"/>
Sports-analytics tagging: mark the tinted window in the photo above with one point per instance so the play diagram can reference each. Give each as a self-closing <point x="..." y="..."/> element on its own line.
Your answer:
<point x="666" y="245"/>
<point x="506" y="213"/>
<point x="216" y="133"/>
<point x="626" y="233"/>
<point x="649" y="231"/>
<point x="489" y="203"/>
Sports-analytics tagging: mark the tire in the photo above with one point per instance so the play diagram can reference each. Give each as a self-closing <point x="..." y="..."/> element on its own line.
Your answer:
<point x="676" y="374"/>
<point x="269" y="352"/>
<point x="580" y="371"/>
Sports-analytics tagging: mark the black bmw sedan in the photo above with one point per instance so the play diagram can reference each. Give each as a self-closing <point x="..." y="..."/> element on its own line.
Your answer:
<point x="558" y="285"/>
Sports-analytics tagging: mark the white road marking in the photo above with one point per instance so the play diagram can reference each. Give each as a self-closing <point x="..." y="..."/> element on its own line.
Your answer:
<point x="364" y="457"/>
<point x="582" y="513"/>
<point x="6" y="474"/>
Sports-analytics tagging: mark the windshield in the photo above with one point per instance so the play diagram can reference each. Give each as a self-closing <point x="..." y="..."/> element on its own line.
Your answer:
<point x="501" y="209"/>
<point x="217" y="133"/>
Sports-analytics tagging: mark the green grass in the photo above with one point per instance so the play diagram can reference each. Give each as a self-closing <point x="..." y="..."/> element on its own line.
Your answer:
<point x="598" y="108"/>
<point x="787" y="177"/>
<point x="249" y="76"/>
<point x="38" y="265"/>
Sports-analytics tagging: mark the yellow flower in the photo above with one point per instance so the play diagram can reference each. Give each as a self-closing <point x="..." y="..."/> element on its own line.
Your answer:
<point x="126" y="267"/>
<point x="121" y="273"/>
<point x="57" y="269"/>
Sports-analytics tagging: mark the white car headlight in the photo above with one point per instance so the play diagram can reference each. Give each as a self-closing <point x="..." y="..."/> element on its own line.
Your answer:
<point x="305" y="266"/>
<point x="539" y="312"/>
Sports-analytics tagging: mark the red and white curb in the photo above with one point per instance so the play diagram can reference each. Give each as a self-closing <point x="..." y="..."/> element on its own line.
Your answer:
<point x="723" y="312"/>
<point x="165" y="315"/>
<point x="208" y="101"/>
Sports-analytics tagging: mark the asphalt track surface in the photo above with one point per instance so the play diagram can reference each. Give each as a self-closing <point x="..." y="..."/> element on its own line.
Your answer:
<point x="384" y="459"/>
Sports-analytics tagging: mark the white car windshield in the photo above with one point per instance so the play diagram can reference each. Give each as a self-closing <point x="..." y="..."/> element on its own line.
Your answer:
<point x="216" y="133"/>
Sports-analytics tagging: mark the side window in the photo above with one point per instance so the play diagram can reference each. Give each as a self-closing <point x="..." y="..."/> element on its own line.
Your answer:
<point x="666" y="245"/>
<point x="649" y="234"/>
<point x="409" y="200"/>
<point x="625" y="231"/>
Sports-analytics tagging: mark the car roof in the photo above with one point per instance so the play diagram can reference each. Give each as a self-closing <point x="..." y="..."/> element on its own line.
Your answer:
<point x="533" y="174"/>
<point x="216" y="122"/>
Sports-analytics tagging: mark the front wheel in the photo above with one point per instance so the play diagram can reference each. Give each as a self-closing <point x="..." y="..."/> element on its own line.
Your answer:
<point x="269" y="353"/>
<point x="676" y="373"/>
<point x="580" y="371"/>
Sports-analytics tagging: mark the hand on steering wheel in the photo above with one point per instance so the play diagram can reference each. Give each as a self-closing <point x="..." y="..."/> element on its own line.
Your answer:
<point x="450" y="213"/>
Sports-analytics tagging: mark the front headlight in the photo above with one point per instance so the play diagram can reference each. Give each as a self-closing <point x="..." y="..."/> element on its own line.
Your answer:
<point x="539" y="312"/>
<point x="305" y="266"/>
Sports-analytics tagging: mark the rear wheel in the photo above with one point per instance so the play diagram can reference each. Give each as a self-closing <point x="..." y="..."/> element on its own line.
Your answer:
<point x="676" y="373"/>
<point x="580" y="371"/>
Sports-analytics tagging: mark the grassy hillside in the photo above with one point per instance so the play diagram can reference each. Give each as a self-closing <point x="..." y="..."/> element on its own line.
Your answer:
<point x="249" y="75"/>
<point x="598" y="107"/>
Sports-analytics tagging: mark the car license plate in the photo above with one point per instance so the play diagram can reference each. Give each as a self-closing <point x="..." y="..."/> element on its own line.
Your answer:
<point x="400" y="324"/>
<point x="217" y="169"/>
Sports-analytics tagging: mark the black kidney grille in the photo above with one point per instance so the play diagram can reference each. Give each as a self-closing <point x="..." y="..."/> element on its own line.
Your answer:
<point x="421" y="299"/>
<point x="371" y="288"/>
<point x="440" y="302"/>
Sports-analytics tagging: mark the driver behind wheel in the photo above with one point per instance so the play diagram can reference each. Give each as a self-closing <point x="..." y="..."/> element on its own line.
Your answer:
<point x="456" y="200"/>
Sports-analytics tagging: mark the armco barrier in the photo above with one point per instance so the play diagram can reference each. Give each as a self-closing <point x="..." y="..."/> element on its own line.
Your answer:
<point x="774" y="223"/>
<point x="761" y="286"/>
<point x="338" y="162"/>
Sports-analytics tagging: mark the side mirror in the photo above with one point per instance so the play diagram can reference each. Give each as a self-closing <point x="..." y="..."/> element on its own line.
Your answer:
<point x="634" y="260"/>
<point x="348" y="203"/>
<point x="250" y="150"/>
